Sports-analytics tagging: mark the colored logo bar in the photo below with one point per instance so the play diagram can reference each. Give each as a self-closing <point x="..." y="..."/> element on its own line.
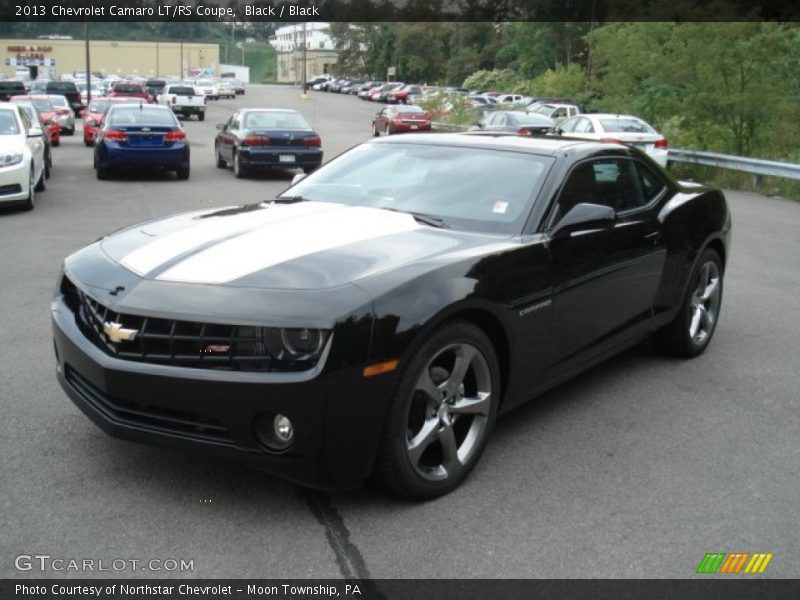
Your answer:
<point x="734" y="562"/>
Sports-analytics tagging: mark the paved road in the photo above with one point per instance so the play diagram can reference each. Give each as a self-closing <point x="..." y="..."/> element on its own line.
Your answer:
<point x="636" y="469"/>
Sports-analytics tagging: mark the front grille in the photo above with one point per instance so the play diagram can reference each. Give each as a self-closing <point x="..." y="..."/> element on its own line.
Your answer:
<point x="156" y="418"/>
<point x="176" y="342"/>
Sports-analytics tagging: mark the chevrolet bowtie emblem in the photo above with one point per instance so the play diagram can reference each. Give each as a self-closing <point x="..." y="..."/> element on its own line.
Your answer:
<point x="117" y="333"/>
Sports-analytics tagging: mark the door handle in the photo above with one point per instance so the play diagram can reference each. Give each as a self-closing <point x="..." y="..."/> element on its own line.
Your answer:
<point x="653" y="237"/>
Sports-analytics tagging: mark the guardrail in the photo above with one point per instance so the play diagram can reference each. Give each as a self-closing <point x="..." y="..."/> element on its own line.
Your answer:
<point x="757" y="166"/>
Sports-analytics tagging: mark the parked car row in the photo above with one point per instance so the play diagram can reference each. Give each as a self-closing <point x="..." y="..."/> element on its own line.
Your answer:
<point x="25" y="157"/>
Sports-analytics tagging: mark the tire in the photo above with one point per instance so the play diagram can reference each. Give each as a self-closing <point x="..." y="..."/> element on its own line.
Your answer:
<point x="201" y="116"/>
<point x="30" y="201"/>
<point x="48" y="165"/>
<point x="87" y="144"/>
<point x="41" y="185"/>
<point x="375" y="132"/>
<point x="386" y="130"/>
<point x="69" y="131"/>
<point x="183" y="173"/>
<point x="437" y="424"/>
<point x="56" y="143"/>
<point x="221" y="162"/>
<point x="690" y="332"/>
<point x="239" y="171"/>
<point x="308" y="170"/>
<point x="100" y="170"/>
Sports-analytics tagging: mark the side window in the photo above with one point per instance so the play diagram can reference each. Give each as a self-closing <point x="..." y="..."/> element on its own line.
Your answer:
<point x="569" y="126"/>
<point x="613" y="182"/>
<point x="233" y="122"/>
<point x="26" y="122"/>
<point x="652" y="185"/>
<point x="583" y="126"/>
<point x="500" y="120"/>
<point x="560" y="113"/>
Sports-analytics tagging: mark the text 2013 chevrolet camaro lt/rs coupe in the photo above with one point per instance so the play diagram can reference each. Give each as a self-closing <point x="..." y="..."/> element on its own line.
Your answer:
<point x="376" y="317"/>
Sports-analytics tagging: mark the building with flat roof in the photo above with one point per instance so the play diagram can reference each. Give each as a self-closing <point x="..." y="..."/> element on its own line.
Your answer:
<point x="55" y="57"/>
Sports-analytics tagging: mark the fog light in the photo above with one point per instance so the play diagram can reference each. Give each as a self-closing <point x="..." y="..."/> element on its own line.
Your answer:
<point x="283" y="428"/>
<point x="274" y="432"/>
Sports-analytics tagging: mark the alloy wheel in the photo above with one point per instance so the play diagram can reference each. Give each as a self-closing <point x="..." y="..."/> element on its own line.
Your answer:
<point x="449" y="412"/>
<point x="705" y="303"/>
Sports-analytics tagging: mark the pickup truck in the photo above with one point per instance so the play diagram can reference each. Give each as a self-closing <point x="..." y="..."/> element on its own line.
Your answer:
<point x="184" y="100"/>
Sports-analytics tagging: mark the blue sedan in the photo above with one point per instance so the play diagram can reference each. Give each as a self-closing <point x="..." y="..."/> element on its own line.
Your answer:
<point x="256" y="138"/>
<point x="140" y="136"/>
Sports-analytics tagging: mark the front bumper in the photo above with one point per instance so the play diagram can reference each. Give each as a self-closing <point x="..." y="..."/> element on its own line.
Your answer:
<point x="337" y="415"/>
<point x="10" y="178"/>
<point x="270" y="156"/>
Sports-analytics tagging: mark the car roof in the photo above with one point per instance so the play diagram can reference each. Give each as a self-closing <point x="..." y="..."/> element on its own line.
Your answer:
<point x="609" y="116"/>
<point x="542" y="145"/>
<point x="247" y="110"/>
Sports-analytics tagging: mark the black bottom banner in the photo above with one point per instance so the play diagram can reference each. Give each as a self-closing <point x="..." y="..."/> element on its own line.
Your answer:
<point x="400" y="589"/>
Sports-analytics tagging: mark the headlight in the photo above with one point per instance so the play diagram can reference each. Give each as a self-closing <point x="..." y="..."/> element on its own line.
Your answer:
<point x="7" y="160"/>
<point x="289" y="345"/>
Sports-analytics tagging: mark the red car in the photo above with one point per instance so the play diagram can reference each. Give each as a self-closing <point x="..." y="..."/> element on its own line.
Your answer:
<point x="47" y="115"/>
<point x="125" y="89"/>
<point x="401" y="95"/>
<point x="93" y="116"/>
<point x="400" y="119"/>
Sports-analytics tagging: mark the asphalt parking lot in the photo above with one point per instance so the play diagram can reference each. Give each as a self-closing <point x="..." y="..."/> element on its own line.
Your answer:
<point x="635" y="469"/>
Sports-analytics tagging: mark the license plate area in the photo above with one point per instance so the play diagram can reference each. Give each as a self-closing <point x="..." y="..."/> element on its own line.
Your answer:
<point x="286" y="158"/>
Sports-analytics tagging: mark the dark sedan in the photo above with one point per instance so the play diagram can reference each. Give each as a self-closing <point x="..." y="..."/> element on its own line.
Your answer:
<point x="258" y="138"/>
<point x="522" y="123"/>
<point x="140" y="136"/>
<point x="376" y="317"/>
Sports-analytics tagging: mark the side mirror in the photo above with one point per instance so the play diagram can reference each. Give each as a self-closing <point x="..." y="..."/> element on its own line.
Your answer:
<point x="220" y="126"/>
<point x="298" y="178"/>
<point x="584" y="216"/>
<point x="35" y="132"/>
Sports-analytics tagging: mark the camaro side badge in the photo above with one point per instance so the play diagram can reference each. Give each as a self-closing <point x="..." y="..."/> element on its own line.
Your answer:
<point x="116" y="333"/>
<point x="535" y="307"/>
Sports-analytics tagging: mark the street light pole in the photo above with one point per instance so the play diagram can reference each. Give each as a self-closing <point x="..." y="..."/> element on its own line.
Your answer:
<point x="88" y="64"/>
<point x="305" y="62"/>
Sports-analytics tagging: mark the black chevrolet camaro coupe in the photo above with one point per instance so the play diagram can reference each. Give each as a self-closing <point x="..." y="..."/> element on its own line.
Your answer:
<point x="375" y="318"/>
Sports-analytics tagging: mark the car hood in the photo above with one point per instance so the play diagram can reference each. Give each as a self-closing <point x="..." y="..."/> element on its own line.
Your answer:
<point x="301" y="246"/>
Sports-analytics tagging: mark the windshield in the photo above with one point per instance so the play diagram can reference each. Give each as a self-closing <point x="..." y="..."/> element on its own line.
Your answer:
<point x="59" y="101"/>
<point x="42" y="105"/>
<point x="626" y="125"/>
<point x="61" y="86"/>
<point x="474" y="189"/>
<point x="411" y="108"/>
<point x="134" y="115"/>
<point x="8" y="123"/>
<point x="275" y="120"/>
<point x="128" y="88"/>
<point x="99" y="107"/>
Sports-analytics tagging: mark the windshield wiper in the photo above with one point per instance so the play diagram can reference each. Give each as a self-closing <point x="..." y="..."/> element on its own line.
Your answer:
<point x="422" y="217"/>
<point x="285" y="200"/>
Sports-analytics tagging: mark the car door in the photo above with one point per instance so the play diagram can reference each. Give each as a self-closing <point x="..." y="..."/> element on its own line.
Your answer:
<point x="228" y="136"/>
<point x="35" y="143"/>
<point x="605" y="275"/>
<point x="381" y="119"/>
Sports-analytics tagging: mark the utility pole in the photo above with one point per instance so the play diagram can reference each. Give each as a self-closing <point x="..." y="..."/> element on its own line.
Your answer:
<point x="182" y="59"/>
<point x="88" y="64"/>
<point x="304" y="95"/>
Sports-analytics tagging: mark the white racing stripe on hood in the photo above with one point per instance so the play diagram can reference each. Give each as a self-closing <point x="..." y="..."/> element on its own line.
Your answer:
<point x="169" y="246"/>
<point x="270" y="245"/>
